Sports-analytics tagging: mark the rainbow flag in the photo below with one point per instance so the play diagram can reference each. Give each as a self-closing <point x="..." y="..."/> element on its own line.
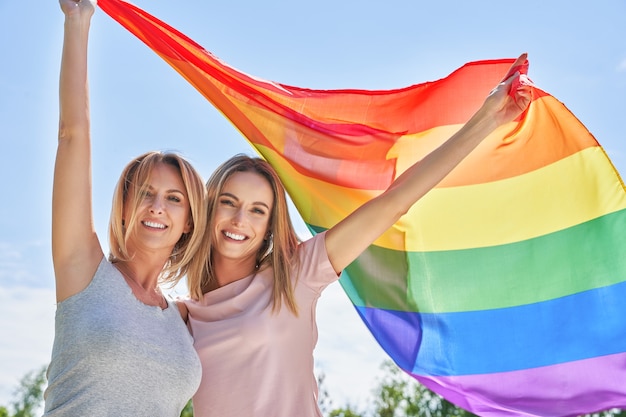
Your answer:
<point x="504" y="288"/>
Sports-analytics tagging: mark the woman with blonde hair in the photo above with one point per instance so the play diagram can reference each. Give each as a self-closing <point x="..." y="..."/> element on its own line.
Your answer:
<point x="120" y="346"/>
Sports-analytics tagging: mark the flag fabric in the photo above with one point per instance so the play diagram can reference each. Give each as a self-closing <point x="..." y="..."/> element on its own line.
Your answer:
<point x="502" y="289"/>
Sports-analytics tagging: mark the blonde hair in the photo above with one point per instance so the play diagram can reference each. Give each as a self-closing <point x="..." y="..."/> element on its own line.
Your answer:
<point x="280" y="248"/>
<point x="135" y="177"/>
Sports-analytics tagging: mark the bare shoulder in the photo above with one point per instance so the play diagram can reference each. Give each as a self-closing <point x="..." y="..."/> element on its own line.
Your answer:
<point x="74" y="273"/>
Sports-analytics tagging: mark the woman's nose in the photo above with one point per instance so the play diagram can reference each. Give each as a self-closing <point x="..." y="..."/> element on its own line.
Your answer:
<point x="238" y="217"/>
<point x="157" y="205"/>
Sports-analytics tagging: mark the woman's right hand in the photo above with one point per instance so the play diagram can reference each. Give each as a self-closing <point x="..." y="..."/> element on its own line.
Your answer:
<point x="84" y="8"/>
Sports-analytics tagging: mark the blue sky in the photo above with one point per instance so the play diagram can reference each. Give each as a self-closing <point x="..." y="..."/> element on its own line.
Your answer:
<point x="576" y="49"/>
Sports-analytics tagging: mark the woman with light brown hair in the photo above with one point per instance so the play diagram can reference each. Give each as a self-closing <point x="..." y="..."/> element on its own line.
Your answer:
<point x="255" y="289"/>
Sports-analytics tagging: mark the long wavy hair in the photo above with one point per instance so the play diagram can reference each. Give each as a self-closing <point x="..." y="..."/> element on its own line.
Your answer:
<point x="279" y="249"/>
<point x="129" y="190"/>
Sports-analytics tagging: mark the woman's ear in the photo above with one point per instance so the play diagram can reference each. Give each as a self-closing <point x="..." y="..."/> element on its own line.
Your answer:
<point x="188" y="227"/>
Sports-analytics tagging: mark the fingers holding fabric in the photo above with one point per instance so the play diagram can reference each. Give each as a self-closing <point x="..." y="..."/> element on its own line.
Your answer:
<point x="78" y="7"/>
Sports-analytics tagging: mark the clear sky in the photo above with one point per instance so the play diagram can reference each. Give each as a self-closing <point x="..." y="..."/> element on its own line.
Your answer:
<point x="577" y="53"/>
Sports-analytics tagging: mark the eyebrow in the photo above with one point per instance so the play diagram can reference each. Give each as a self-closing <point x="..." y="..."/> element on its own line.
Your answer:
<point x="234" y="197"/>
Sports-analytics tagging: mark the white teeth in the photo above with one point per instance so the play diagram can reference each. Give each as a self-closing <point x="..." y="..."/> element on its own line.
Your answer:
<point x="234" y="236"/>
<point x="155" y="225"/>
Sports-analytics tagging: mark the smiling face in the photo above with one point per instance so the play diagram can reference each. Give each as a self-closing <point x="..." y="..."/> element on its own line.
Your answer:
<point x="162" y="212"/>
<point x="242" y="217"/>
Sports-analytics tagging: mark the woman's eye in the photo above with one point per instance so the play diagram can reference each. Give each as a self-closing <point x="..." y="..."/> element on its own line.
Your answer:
<point x="174" y="198"/>
<point x="258" y="210"/>
<point x="226" y="202"/>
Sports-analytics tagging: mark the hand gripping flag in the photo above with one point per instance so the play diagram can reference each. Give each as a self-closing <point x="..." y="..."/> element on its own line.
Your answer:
<point x="502" y="289"/>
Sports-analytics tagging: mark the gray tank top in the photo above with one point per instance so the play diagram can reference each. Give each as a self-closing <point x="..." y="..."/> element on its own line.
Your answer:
<point x="115" y="356"/>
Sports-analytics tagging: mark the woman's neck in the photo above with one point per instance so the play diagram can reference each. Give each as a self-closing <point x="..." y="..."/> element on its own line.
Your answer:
<point x="143" y="281"/>
<point x="231" y="270"/>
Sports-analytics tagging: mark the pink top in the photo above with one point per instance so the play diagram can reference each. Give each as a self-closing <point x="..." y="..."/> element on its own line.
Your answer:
<point x="255" y="362"/>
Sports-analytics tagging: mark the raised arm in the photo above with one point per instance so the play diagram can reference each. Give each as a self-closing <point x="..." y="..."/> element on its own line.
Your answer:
<point x="350" y="237"/>
<point x="76" y="250"/>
